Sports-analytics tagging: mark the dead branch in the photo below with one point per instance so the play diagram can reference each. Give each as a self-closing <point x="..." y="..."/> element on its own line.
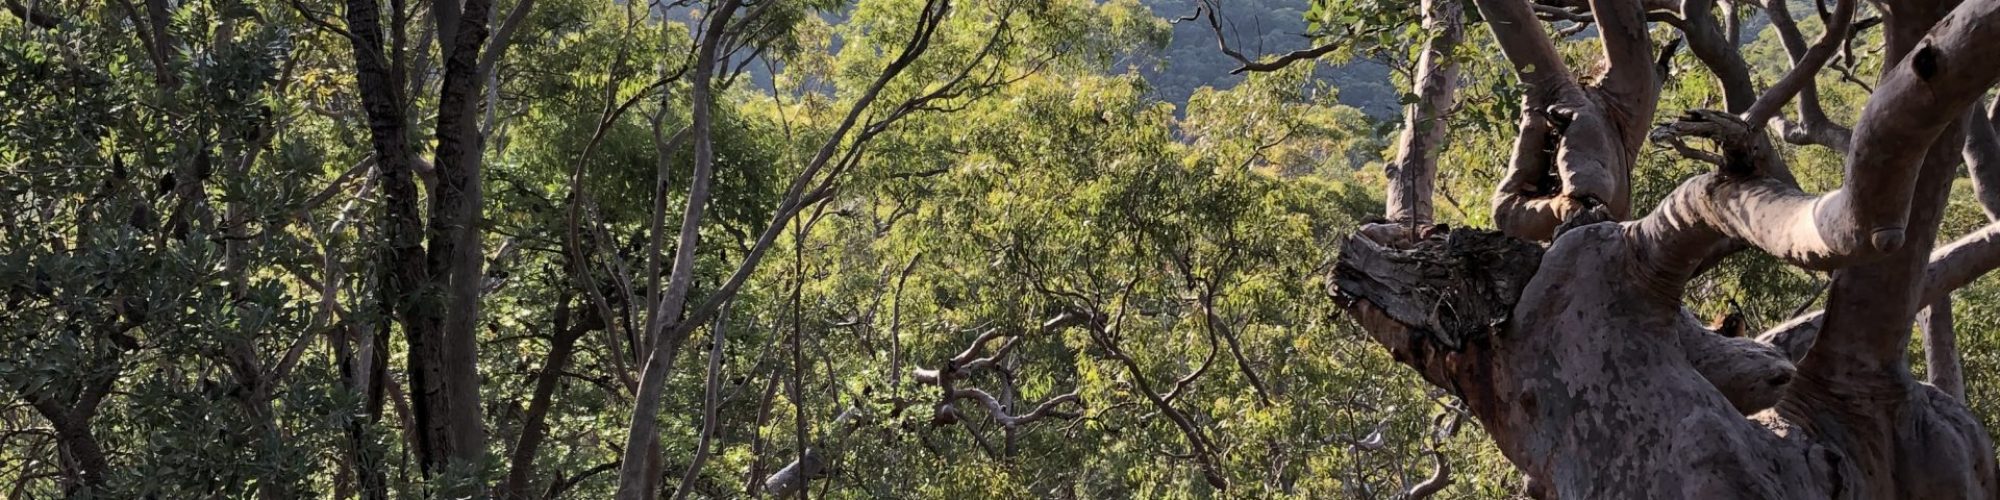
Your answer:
<point x="999" y="411"/>
<point x="1207" y="9"/>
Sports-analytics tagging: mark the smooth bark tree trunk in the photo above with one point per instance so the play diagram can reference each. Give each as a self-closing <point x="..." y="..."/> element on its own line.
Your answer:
<point x="1941" y="363"/>
<point x="1413" y="176"/>
<point x="1580" y="359"/>
<point x="636" y="472"/>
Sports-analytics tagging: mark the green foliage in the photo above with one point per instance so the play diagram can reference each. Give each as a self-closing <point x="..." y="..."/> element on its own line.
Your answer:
<point x="190" y="253"/>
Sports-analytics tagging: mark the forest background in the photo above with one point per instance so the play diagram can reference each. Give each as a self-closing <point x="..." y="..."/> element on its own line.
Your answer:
<point x="825" y="247"/>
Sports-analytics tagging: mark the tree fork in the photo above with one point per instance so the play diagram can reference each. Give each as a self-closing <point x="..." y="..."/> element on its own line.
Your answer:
<point x="1597" y="383"/>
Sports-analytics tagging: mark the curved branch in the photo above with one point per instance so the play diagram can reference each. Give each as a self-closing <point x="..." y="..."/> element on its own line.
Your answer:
<point x="1813" y="126"/>
<point x="1213" y="13"/>
<point x="999" y="411"/>
<point x="969" y="361"/>
<point x="1861" y="220"/>
<point x="1524" y="205"/>
<point x="1714" y="44"/>
<point x="1534" y="57"/>
<point x="1628" y="49"/>
<point x="1951" y="267"/>
<point x="1806" y="67"/>
<point x="1440" y="478"/>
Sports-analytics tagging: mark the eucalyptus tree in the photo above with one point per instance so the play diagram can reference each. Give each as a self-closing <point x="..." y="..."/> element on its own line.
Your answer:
<point x="1566" y="334"/>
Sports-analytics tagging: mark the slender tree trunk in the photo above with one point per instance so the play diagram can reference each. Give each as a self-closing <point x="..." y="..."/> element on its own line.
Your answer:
<point x="534" y="423"/>
<point x="635" y="470"/>
<point x="801" y="439"/>
<point x="1413" y="176"/>
<point x="711" y="403"/>
<point x="1941" y="363"/>
<point x="755" y="478"/>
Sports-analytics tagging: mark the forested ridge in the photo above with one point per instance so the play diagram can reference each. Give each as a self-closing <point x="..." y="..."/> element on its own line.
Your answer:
<point x="998" y="249"/>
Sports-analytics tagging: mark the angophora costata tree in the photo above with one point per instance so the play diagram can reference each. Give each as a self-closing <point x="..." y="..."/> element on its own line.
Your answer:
<point x="726" y="29"/>
<point x="1579" y="357"/>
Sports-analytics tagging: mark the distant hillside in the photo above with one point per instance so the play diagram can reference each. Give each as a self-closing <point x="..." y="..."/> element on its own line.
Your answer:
<point x="1192" y="59"/>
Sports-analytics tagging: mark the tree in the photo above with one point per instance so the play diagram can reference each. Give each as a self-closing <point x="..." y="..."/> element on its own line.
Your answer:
<point x="1579" y="358"/>
<point x="432" y="288"/>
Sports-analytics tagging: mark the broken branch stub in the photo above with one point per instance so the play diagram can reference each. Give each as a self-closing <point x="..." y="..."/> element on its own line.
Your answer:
<point x="1452" y="288"/>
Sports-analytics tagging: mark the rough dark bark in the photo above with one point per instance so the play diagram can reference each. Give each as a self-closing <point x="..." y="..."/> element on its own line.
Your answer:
<point x="432" y="292"/>
<point x="404" y="273"/>
<point x="456" y="432"/>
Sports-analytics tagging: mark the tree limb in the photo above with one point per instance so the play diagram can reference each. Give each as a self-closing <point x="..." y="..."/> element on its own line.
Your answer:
<point x="1805" y="68"/>
<point x="1628" y="49"/>
<point x="1982" y="156"/>
<point x="1813" y="126"/>
<point x="1413" y="175"/>
<point x="1835" y="229"/>
<point x="1714" y="44"/>
<point x="1244" y="63"/>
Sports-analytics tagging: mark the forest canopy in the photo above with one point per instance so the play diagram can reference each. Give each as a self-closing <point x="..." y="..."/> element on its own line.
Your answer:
<point x="991" y="249"/>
